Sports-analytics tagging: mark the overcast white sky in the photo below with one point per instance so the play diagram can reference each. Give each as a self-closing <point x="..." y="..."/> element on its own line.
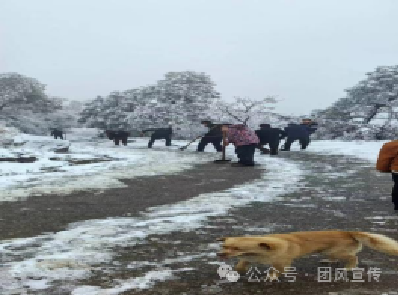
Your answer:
<point x="303" y="51"/>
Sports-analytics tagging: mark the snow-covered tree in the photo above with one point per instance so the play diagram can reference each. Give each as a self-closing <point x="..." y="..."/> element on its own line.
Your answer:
<point x="66" y="117"/>
<point x="73" y="108"/>
<point x="181" y="99"/>
<point x="369" y="110"/>
<point x="25" y="105"/>
<point x="21" y="92"/>
<point x="246" y="111"/>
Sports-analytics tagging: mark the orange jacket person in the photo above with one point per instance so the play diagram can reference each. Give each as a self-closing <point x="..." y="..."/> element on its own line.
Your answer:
<point x="387" y="162"/>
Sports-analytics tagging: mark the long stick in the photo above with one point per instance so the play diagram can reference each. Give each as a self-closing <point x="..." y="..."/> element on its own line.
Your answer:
<point x="223" y="144"/>
<point x="186" y="146"/>
<point x="224" y="140"/>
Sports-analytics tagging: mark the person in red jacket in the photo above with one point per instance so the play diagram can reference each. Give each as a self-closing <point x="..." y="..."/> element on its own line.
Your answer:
<point x="245" y="141"/>
<point x="387" y="162"/>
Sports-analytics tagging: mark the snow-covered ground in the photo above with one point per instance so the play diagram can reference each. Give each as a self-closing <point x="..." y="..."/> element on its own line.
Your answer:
<point x="367" y="150"/>
<point x="79" y="168"/>
<point x="39" y="262"/>
<point x="66" y="255"/>
<point x="88" y="165"/>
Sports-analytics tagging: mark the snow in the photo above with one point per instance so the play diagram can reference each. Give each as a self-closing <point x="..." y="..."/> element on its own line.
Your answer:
<point x="367" y="150"/>
<point x="378" y="121"/>
<point x="82" y="134"/>
<point x="63" y="176"/>
<point x="7" y="132"/>
<point x="121" y="286"/>
<point x="67" y="255"/>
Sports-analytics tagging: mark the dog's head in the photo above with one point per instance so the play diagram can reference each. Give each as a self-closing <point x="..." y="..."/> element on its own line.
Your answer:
<point x="249" y="247"/>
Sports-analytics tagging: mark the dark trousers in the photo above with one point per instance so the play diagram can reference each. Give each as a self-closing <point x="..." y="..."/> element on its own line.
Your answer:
<point x="153" y="139"/>
<point x="304" y="142"/>
<point x="395" y="190"/>
<point x="261" y="147"/>
<point x="245" y="154"/>
<point x="273" y="147"/>
<point x="124" y="140"/>
<point x="216" y="142"/>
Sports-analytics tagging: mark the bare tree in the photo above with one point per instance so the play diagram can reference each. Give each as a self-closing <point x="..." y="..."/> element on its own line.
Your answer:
<point x="244" y="109"/>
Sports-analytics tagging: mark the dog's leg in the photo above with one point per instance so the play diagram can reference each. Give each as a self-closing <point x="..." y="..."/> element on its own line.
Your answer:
<point x="348" y="254"/>
<point x="351" y="262"/>
<point x="242" y="266"/>
<point x="345" y="253"/>
<point x="280" y="267"/>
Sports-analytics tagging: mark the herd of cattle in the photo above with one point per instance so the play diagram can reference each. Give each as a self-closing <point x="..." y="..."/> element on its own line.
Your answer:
<point x="116" y="136"/>
<point x="266" y="134"/>
<point x="121" y="136"/>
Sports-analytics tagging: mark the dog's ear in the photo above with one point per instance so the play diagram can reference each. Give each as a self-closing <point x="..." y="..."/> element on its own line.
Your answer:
<point x="265" y="245"/>
<point x="221" y="239"/>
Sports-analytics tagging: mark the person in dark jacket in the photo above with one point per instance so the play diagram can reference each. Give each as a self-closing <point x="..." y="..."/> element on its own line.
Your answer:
<point x="118" y="136"/>
<point x="311" y="125"/>
<point x="270" y="136"/>
<point x="57" y="133"/>
<point x="160" y="133"/>
<point x="295" y="132"/>
<point x="214" y="136"/>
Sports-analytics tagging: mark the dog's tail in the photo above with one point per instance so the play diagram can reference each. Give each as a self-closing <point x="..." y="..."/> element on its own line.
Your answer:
<point x="377" y="242"/>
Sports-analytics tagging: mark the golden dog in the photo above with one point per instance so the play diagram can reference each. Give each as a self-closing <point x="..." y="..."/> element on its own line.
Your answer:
<point x="279" y="250"/>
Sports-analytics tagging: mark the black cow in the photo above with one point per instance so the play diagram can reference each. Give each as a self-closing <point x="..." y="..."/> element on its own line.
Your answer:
<point x="296" y="132"/>
<point x="270" y="136"/>
<point x="118" y="136"/>
<point x="57" y="133"/>
<point x="159" y="133"/>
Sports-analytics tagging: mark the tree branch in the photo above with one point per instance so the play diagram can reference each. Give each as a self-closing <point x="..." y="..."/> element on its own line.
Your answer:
<point x="230" y="113"/>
